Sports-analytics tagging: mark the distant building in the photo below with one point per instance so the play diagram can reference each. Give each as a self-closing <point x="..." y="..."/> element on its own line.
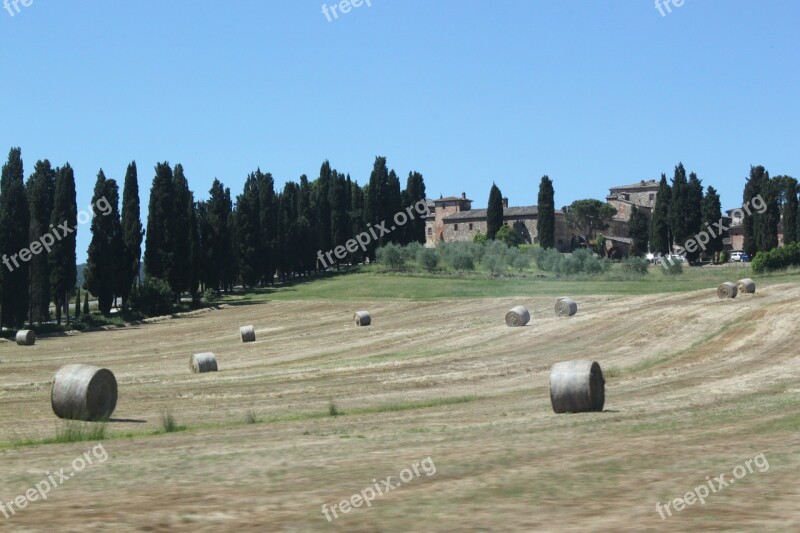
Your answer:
<point x="642" y="195"/>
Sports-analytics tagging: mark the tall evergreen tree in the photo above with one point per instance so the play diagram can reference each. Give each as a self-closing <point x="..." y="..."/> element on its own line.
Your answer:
<point x="639" y="230"/>
<point x="306" y="241"/>
<point x="712" y="214"/>
<point x="217" y="242"/>
<point x="760" y="229"/>
<point x="394" y="205"/>
<point x="767" y="222"/>
<point x="694" y="210"/>
<point x="269" y="223"/>
<point x="77" y="303"/>
<point x="339" y="218"/>
<point x="63" y="269"/>
<point x="376" y="201"/>
<point x="790" y="206"/>
<point x="132" y="234"/>
<point x="105" y="248"/>
<point x="660" y="238"/>
<point x="159" y="253"/>
<point x="679" y="218"/>
<point x="322" y="205"/>
<point x="249" y="231"/>
<point x="287" y="230"/>
<point x="14" y="220"/>
<point x="546" y="219"/>
<point x="494" y="212"/>
<point x="414" y="230"/>
<point x="195" y="276"/>
<point x="180" y="278"/>
<point x="40" y="190"/>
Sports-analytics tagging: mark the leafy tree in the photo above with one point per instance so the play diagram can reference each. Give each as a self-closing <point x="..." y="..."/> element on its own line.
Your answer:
<point x="479" y="238"/>
<point x="639" y="230"/>
<point x="159" y="251"/>
<point x="508" y="236"/>
<point x="14" y="220"/>
<point x="660" y="239"/>
<point x="63" y="269"/>
<point x="40" y="190"/>
<point x="590" y="216"/>
<point x="132" y="235"/>
<point x="712" y="214"/>
<point x="546" y="220"/>
<point x="494" y="212"/>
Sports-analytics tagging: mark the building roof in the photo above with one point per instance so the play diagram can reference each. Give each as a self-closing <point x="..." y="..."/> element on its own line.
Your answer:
<point x="452" y="199"/>
<point x="625" y="240"/>
<point x="641" y="185"/>
<point x="508" y="212"/>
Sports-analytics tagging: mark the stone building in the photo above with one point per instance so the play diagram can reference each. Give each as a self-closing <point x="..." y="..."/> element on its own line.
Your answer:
<point x="642" y="195"/>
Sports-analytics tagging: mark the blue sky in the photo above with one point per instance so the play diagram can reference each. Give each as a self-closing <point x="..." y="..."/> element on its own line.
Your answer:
<point x="592" y="93"/>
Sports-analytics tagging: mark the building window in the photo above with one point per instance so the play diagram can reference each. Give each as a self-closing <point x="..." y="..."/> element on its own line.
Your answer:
<point x="470" y="226"/>
<point x="652" y="196"/>
<point x="430" y="231"/>
<point x="455" y="227"/>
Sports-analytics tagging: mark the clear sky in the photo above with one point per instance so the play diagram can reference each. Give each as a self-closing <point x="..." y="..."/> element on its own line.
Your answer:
<point x="592" y="93"/>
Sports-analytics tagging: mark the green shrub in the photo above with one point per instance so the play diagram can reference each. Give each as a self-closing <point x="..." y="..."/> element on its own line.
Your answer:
<point x="411" y="250"/>
<point x="428" y="259"/>
<point x="392" y="256"/>
<point x="507" y="235"/>
<point x="635" y="265"/>
<point x="519" y="259"/>
<point x="479" y="238"/>
<point x="777" y="258"/>
<point x="209" y="296"/>
<point x="495" y="263"/>
<point x="673" y="268"/>
<point x="152" y="298"/>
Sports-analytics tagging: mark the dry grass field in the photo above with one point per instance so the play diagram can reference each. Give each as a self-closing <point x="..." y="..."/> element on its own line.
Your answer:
<point x="695" y="387"/>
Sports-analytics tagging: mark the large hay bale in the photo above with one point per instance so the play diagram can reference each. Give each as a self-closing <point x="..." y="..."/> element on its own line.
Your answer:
<point x="577" y="386"/>
<point x="566" y="306"/>
<point x="248" y="333"/>
<point x="362" y="318"/>
<point x="83" y="392"/>
<point x="203" y="362"/>
<point x="26" y="337"/>
<point x="517" y="317"/>
<point x="746" y="286"/>
<point x="727" y="290"/>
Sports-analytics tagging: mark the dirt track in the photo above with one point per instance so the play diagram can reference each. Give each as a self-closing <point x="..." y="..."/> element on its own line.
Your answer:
<point x="696" y="387"/>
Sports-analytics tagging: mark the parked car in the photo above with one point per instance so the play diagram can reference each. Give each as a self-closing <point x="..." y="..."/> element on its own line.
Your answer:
<point x="739" y="257"/>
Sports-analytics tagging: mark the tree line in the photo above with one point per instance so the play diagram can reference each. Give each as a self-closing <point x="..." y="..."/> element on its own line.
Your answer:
<point x="191" y="246"/>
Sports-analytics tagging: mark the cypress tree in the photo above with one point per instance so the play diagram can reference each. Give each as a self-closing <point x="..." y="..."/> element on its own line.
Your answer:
<point x="106" y="248"/>
<point x="217" y="245"/>
<point x="306" y="242"/>
<point x="694" y="209"/>
<point x="376" y="201"/>
<point x="660" y="240"/>
<point x="546" y="219"/>
<point x="159" y="255"/>
<point x="14" y="220"/>
<point x="767" y="222"/>
<point x="180" y="274"/>
<point x="86" y="303"/>
<point x="249" y="232"/>
<point x="322" y="205"/>
<point x="639" y="230"/>
<point x="712" y="214"/>
<point x="757" y="233"/>
<point x="196" y="250"/>
<point x="268" y="223"/>
<point x="77" y="304"/>
<point x="679" y="208"/>
<point x="339" y="217"/>
<point x="287" y="230"/>
<point x="40" y="190"/>
<point x="790" y="210"/>
<point x="494" y="212"/>
<point x="393" y="206"/>
<point x="414" y="230"/>
<point x="132" y="234"/>
<point x="63" y="269"/>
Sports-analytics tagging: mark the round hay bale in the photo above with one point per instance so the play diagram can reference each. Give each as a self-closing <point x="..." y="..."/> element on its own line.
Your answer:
<point x="84" y="392"/>
<point x="517" y="317"/>
<point x="203" y="362"/>
<point x="362" y="318"/>
<point x="248" y="333"/>
<point x="746" y="286"/>
<point x="577" y="386"/>
<point x="727" y="290"/>
<point x="26" y="337"/>
<point x="566" y="306"/>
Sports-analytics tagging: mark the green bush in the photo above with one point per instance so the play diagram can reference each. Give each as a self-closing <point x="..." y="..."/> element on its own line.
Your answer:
<point x="461" y="255"/>
<point x="428" y="259"/>
<point x="507" y="235"/>
<point x="152" y="298"/>
<point x="209" y="296"/>
<point x="673" y="268"/>
<point x="392" y="256"/>
<point x="479" y="238"/>
<point x="519" y="259"/>
<point x="777" y="258"/>
<point x="635" y="265"/>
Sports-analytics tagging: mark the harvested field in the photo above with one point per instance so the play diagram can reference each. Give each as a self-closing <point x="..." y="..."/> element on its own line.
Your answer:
<point x="694" y="387"/>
